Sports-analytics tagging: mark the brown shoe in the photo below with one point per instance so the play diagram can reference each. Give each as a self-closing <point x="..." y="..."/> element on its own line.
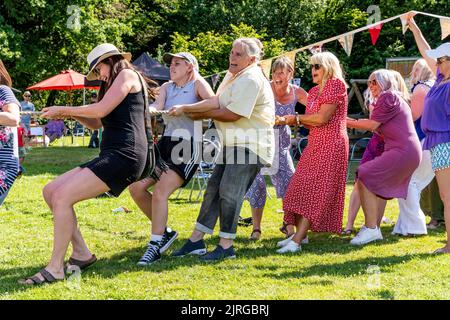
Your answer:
<point x="256" y="234"/>
<point x="82" y="264"/>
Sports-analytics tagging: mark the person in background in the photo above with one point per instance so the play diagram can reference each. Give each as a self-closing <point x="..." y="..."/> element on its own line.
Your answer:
<point x="94" y="140"/>
<point x="26" y="105"/>
<point x="286" y="97"/>
<point x="432" y="205"/>
<point x="411" y="219"/>
<point x="435" y="121"/>
<point x="9" y="121"/>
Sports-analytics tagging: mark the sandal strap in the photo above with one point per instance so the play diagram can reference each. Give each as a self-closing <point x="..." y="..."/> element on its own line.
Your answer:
<point x="35" y="279"/>
<point x="47" y="276"/>
<point x="256" y="230"/>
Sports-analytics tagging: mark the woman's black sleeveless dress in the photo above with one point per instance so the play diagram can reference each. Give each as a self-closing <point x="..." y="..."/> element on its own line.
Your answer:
<point x="123" y="150"/>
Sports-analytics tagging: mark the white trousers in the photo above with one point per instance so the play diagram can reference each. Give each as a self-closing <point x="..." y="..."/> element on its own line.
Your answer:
<point x="411" y="219"/>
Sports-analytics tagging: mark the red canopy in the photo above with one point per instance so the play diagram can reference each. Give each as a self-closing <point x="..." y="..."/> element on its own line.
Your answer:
<point x="66" y="80"/>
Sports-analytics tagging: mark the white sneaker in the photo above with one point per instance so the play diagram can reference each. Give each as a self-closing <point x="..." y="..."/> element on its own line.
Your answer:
<point x="366" y="235"/>
<point x="291" y="246"/>
<point x="284" y="242"/>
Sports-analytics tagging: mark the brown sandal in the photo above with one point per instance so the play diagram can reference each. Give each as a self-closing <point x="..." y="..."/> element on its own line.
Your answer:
<point x="48" y="278"/>
<point x="255" y="237"/>
<point x="82" y="264"/>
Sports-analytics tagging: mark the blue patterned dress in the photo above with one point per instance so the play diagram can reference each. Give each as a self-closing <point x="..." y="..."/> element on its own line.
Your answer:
<point x="9" y="157"/>
<point x="283" y="167"/>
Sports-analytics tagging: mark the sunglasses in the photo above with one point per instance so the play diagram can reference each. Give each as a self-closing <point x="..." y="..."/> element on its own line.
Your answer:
<point x="315" y="66"/>
<point x="372" y="83"/>
<point x="442" y="59"/>
<point x="27" y="95"/>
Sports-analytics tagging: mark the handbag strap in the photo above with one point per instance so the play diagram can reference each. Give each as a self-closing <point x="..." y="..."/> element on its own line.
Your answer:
<point x="147" y="122"/>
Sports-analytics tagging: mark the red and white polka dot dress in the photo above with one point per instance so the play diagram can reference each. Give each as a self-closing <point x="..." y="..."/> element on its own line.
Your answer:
<point x="317" y="189"/>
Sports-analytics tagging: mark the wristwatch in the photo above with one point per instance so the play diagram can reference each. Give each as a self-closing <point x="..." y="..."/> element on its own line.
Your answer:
<point x="297" y="118"/>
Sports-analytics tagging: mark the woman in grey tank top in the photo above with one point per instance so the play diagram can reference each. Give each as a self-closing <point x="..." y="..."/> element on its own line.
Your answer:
<point x="186" y="86"/>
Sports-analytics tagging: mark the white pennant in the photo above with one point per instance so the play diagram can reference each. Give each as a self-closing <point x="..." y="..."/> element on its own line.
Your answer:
<point x="347" y="43"/>
<point x="445" y="27"/>
<point x="404" y="23"/>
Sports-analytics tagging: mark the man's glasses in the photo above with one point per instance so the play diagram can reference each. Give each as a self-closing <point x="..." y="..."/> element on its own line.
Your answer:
<point x="27" y="96"/>
<point x="315" y="66"/>
<point x="372" y="83"/>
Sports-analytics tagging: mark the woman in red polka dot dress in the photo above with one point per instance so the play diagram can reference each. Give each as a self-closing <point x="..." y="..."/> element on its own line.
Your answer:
<point x="314" y="199"/>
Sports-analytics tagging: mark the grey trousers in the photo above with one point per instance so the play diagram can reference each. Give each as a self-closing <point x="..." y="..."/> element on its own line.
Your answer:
<point x="225" y="192"/>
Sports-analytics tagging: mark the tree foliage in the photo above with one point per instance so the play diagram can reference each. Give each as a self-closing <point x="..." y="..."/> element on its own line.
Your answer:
<point x="40" y="38"/>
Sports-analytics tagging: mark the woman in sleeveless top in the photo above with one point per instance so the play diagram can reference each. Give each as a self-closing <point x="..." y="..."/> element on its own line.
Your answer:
<point x="9" y="120"/>
<point x="411" y="219"/>
<point x="123" y="152"/>
<point x="286" y="97"/>
<point x="180" y="149"/>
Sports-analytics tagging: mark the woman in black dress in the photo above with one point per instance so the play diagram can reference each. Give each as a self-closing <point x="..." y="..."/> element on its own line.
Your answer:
<point x="123" y="152"/>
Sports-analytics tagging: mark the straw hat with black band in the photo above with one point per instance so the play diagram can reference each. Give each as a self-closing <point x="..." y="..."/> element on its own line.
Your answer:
<point x="100" y="53"/>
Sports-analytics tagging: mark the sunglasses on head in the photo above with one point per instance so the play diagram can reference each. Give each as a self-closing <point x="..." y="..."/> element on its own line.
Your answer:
<point x="315" y="66"/>
<point x="442" y="59"/>
<point x="372" y="83"/>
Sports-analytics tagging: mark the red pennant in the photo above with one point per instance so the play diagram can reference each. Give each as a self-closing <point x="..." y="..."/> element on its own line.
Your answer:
<point x="375" y="33"/>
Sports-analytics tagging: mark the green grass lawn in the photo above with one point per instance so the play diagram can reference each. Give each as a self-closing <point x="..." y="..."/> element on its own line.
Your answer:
<point x="327" y="268"/>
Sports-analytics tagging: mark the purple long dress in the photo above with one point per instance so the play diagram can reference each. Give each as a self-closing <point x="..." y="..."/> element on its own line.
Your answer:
<point x="388" y="175"/>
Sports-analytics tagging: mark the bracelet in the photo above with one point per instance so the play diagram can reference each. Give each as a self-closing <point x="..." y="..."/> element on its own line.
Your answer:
<point x="297" y="118"/>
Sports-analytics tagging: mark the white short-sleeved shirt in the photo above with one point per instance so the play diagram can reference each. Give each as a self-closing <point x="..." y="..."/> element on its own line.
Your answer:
<point x="249" y="95"/>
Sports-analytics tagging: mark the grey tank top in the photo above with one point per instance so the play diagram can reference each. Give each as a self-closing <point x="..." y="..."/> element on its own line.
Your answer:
<point x="181" y="126"/>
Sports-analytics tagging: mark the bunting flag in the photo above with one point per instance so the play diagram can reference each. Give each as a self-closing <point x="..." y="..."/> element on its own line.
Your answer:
<point x="315" y="49"/>
<point x="214" y="79"/>
<point x="375" y="33"/>
<point x="291" y="56"/>
<point x="347" y="43"/>
<point x="404" y="23"/>
<point x="445" y="27"/>
<point x="265" y="66"/>
<point x="346" y="39"/>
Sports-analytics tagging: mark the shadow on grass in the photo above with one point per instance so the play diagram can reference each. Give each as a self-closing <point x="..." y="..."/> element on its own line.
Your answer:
<point x="125" y="261"/>
<point x="351" y="267"/>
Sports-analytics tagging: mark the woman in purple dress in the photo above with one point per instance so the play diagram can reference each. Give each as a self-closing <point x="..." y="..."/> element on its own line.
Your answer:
<point x="286" y="97"/>
<point x="386" y="176"/>
<point x="436" y="118"/>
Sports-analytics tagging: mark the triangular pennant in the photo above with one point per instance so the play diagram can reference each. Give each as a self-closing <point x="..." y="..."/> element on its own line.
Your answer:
<point x="315" y="49"/>
<point x="375" y="33"/>
<point x="265" y="66"/>
<point x="214" y="79"/>
<point x="291" y="56"/>
<point x="445" y="27"/>
<point x="347" y="43"/>
<point x="404" y="23"/>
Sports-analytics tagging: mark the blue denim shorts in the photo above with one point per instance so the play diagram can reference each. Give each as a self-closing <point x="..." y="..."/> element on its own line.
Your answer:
<point x="440" y="156"/>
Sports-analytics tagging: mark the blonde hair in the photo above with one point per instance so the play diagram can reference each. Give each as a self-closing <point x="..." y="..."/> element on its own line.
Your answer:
<point x="283" y="63"/>
<point x="252" y="46"/>
<point x="423" y="71"/>
<point x="400" y="85"/>
<point x="330" y="64"/>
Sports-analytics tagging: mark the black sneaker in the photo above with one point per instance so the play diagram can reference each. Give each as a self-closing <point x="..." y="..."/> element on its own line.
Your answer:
<point x="169" y="237"/>
<point x="197" y="248"/>
<point x="219" y="253"/>
<point x="151" y="255"/>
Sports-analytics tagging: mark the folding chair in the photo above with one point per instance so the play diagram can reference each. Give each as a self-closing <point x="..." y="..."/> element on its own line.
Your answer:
<point x="357" y="151"/>
<point x="210" y="150"/>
